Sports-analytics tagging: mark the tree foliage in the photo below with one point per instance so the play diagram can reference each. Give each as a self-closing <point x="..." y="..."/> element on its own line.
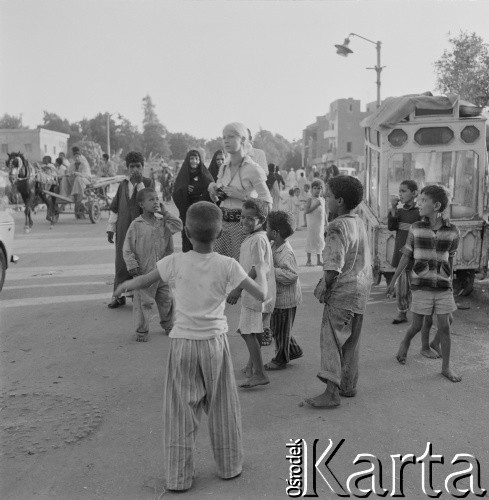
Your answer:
<point x="181" y="143"/>
<point x="212" y="146"/>
<point x="154" y="132"/>
<point x="275" y="146"/>
<point x="11" y="121"/>
<point x="464" y="68"/>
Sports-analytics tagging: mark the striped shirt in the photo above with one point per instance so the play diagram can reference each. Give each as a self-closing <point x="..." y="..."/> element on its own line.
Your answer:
<point x="289" y="293"/>
<point x="431" y="251"/>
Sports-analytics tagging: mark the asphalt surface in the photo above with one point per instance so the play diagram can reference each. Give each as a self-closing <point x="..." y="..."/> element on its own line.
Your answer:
<point x="81" y="401"/>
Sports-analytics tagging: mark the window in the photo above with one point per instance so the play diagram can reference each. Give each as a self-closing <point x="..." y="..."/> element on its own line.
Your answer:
<point x="45" y="148"/>
<point x="54" y="150"/>
<point x="348" y="147"/>
<point x="28" y="148"/>
<point x="458" y="171"/>
<point x="4" y="148"/>
<point x="350" y="108"/>
<point x="397" y="137"/>
<point x="432" y="136"/>
<point x="470" y="134"/>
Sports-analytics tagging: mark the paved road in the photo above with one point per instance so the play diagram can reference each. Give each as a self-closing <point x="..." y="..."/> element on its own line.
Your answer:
<point x="81" y="400"/>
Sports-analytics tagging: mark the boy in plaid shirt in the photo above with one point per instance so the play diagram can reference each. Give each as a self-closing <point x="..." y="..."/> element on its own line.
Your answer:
<point x="432" y="243"/>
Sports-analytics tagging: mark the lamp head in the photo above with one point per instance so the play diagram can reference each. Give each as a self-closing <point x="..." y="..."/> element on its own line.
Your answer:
<point x="344" y="50"/>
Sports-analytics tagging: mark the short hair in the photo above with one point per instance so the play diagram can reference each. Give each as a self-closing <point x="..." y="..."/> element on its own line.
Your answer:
<point x="317" y="183"/>
<point x="297" y="189"/>
<point x="105" y="156"/>
<point x="141" y="195"/>
<point x="438" y="194"/>
<point x="291" y="191"/>
<point x="410" y="184"/>
<point x="134" y="157"/>
<point x="282" y="222"/>
<point x="347" y="187"/>
<point x="47" y="158"/>
<point x="307" y="186"/>
<point x="75" y="150"/>
<point x="204" y="221"/>
<point x="260" y="207"/>
<point x="58" y="161"/>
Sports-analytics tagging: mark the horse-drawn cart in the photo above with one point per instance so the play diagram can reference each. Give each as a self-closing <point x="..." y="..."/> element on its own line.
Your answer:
<point x="96" y="198"/>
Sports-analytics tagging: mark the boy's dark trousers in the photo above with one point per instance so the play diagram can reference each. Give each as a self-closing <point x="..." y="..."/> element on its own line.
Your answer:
<point x="286" y="347"/>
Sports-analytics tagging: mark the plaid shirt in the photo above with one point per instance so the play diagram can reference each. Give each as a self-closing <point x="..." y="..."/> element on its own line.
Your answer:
<point x="431" y="251"/>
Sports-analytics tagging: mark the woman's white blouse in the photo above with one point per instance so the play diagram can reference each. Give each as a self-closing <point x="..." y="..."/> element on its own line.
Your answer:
<point x="250" y="180"/>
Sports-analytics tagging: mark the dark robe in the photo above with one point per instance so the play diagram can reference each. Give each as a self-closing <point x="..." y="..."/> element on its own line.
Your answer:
<point x="127" y="209"/>
<point x="183" y="200"/>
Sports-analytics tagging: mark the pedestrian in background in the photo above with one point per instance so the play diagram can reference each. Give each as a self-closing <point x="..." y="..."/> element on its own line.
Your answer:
<point x="190" y="187"/>
<point x="216" y="163"/>
<point x="316" y="222"/>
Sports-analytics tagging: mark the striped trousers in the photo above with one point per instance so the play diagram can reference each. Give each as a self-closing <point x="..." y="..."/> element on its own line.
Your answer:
<point x="403" y="291"/>
<point x="286" y="347"/>
<point x="200" y="377"/>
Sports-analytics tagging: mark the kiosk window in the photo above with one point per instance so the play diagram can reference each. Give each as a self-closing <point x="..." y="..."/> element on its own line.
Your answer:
<point x="458" y="171"/>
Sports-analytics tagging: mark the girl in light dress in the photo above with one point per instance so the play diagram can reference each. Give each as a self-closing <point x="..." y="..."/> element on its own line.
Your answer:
<point x="316" y="222"/>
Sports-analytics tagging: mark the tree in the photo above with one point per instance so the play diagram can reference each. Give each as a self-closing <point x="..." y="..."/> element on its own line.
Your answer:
<point x="275" y="146"/>
<point x="181" y="143"/>
<point x="154" y="132"/>
<point x="11" y="121"/>
<point x="464" y="69"/>
<point x="52" y="121"/>
<point x="293" y="158"/>
<point x="213" y="145"/>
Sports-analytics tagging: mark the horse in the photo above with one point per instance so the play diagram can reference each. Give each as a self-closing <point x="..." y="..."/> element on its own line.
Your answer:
<point x="30" y="181"/>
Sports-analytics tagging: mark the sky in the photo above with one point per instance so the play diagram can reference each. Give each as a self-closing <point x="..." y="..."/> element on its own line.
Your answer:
<point x="269" y="64"/>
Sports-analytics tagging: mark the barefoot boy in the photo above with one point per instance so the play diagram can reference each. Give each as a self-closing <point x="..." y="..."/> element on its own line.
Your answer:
<point x="432" y="242"/>
<point x="254" y="318"/>
<point x="199" y="374"/>
<point x="280" y="225"/>
<point x="344" y="290"/>
<point x="149" y="239"/>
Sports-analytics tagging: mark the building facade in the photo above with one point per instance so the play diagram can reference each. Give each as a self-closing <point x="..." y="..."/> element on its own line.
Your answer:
<point x="336" y="138"/>
<point x="34" y="144"/>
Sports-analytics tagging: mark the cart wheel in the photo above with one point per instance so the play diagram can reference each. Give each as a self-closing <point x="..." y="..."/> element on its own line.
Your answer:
<point x="94" y="212"/>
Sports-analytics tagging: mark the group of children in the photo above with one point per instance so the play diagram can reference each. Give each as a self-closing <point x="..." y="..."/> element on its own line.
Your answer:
<point x="200" y="373"/>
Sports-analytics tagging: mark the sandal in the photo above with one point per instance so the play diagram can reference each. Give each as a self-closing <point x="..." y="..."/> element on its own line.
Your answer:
<point x="274" y="366"/>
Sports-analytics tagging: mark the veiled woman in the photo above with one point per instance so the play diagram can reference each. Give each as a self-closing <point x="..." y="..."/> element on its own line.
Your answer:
<point x="191" y="186"/>
<point x="239" y="178"/>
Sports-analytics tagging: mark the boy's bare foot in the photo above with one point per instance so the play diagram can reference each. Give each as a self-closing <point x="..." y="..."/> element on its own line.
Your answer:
<point x="402" y="353"/>
<point x="142" y="337"/>
<point x="348" y="394"/>
<point x="453" y="377"/>
<point x="247" y="371"/>
<point x="324" y="400"/>
<point x="401" y="318"/>
<point x="254" y="381"/>
<point x="428" y="353"/>
<point x="436" y="348"/>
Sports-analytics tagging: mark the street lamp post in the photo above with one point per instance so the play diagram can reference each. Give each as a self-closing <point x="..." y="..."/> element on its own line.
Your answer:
<point x="108" y="133"/>
<point x="344" y="50"/>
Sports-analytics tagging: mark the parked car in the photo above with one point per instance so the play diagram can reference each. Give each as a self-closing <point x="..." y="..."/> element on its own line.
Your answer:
<point x="7" y="230"/>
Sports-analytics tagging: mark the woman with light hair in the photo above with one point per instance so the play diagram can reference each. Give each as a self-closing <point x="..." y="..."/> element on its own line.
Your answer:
<point x="239" y="179"/>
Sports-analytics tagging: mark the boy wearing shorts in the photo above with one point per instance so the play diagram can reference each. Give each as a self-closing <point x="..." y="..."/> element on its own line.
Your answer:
<point x="432" y="243"/>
